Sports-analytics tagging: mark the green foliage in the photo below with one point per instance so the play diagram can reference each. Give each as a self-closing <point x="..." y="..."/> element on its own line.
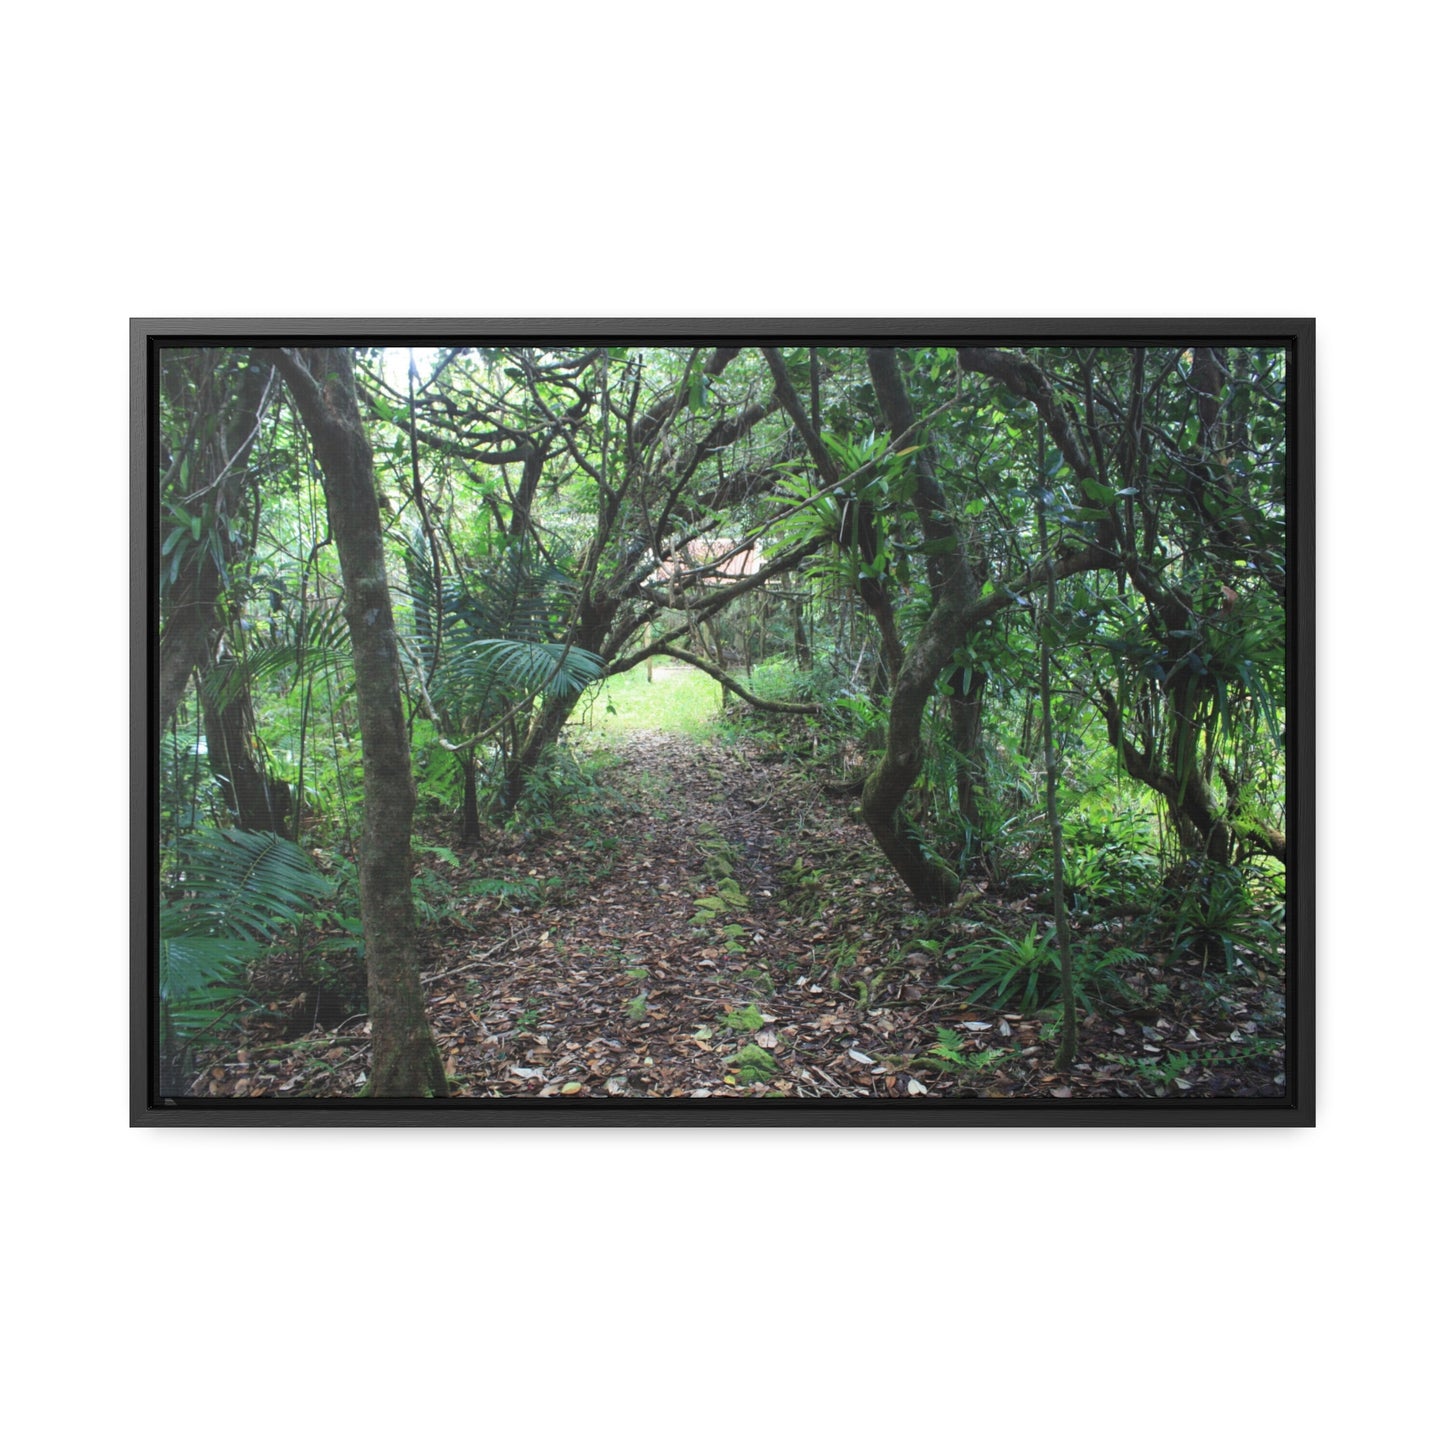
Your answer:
<point x="811" y="512"/>
<point x="1110" y="860"/>
<point x="1022" y="974"/>
<point x="487" y="643"/>
<point x="293" y="667"/>
<point x="520" y="889"/>
<point x="1225" y="908"/>
<point x="804" y="891"/>
<point x="203" y="532"/>
<point x="1015" y="973"/>
<point x="431" y="895"/>
<point x="317" y="644"/>
<point x="866" y="715"/>
<point x="234" y="892"/>
<point x="239" y="885"/>
<point x="778" y="679"/>
<point x="1160" y="1073"/>
<point x="1099" y="969"/>
<point x="564" y="785"/>
<point x="711" y="907"/>
<point x="189" y="792"/>
<point x="760" y="977"/>
<point x="508" y="593"/>
<point x="481" y="676"/>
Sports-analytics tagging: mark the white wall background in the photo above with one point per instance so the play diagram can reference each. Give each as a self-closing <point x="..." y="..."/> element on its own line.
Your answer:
<point x="1109" y="159"/>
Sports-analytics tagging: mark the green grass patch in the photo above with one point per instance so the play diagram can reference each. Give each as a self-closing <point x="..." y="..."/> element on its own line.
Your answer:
<point x="678" y="700"/>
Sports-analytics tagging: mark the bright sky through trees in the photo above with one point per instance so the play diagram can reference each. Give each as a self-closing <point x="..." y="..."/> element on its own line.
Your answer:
<point x="397" y="358"/>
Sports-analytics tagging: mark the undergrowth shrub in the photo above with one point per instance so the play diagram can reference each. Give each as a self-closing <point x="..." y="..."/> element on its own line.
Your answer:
<point x="1226" y="908"/>
<point x="1110" y="863"/>
<point x="189" y="793"/>
<point x="1022" y="975"/>
<point x="954" y="1054"/>
<point x="564" y="784"/>
<point x="780" y="679"/>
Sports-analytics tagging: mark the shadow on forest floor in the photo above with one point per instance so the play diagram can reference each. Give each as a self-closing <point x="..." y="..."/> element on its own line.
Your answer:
<point x="722" y="928"/>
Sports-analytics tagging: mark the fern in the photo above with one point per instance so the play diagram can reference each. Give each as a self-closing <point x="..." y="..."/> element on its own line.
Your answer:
<point x="950" y="1047"/>
<point x="514" y="595"/>
<point x="1023" y="973"/>
<point x="502" y="888"/>
<point x="953" y="1054"/>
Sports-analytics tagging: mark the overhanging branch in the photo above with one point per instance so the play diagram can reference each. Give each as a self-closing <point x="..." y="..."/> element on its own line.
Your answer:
<point x="805" y="709"/>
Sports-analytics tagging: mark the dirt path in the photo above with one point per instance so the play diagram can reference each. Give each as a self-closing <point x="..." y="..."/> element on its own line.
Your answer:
<point x="682" y="955"/>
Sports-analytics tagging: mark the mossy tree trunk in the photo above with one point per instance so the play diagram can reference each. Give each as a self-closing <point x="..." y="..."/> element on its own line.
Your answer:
<point x="405" y="1062"/>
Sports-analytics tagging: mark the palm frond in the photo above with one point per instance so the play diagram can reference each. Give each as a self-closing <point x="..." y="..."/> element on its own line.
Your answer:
<point x="517" y="597"/>
<point x="242" y="885"/>
<point x="236" y="891"/>
<point x="323" y="643"/>
<point x="486" y="672"/>
<point x="195" y="964"/>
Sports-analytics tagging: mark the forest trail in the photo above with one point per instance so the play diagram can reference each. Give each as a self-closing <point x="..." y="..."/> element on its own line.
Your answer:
<point x="710" y="922"/>
<point x="690" y="950"/>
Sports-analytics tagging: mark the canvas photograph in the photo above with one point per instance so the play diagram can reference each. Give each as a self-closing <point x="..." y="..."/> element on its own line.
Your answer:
<point x="720" y="722"/>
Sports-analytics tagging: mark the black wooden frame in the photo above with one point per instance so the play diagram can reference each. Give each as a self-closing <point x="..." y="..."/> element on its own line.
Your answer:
<point x="1297" y="1108"/>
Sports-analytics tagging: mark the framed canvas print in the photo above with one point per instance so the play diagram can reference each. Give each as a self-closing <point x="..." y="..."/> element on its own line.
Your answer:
<point x="661" y="722"/>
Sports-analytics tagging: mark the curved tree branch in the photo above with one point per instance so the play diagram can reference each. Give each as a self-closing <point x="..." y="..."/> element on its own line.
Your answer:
<point x="803" y="709"/>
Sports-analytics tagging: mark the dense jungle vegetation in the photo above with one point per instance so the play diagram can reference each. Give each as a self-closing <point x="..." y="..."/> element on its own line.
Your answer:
<point x="722" y="720"/>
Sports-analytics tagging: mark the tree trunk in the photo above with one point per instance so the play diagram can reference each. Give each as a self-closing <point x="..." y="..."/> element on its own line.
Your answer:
<point x="185" y="637"/>
<point x="260" y="803"/>
<point x="802" y="650"/>
<point x="405" y="1062"/>
<point x="965" y="706"/>
<point x="965" y="718"/>
<point x="542" y="732"/>
<point x="471" y="813"/>
<point x="1200" y="820"/>
<point x="930" y="882"/>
